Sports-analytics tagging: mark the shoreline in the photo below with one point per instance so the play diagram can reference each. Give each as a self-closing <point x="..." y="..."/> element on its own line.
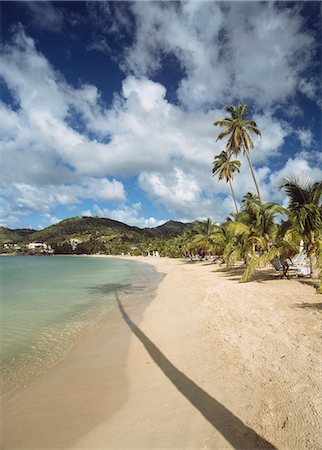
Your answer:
<point x="210" y="364"/>
<point x="65" y="335"/>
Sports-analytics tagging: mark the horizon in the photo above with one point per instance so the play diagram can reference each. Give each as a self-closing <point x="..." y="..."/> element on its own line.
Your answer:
<point x="108" y="107"/>
<point x="95" y="217"/>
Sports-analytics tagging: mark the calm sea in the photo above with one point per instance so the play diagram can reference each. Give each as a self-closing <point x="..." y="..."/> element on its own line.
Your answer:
<point x="48" y="302"/>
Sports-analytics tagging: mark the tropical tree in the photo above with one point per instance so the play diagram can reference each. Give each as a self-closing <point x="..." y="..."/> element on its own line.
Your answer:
<point x="303" y="225"/>
<point x="260" y="217"/>
<point x="304" y="216"/>
<point x="203" y="236"/>
<point x="178" y="246"/>
<point x="252" y="235"/>
<point x="224" y="167"/>
<point x="240" y="243"/>
<point x="239" y="129"/>
<point x="250" y="203"/>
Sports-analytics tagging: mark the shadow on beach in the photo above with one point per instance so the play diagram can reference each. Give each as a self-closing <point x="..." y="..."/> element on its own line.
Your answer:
<point x="231" y="427"/>
<point x="317" y="306"/>
<point x="79" y="393"/>
<point x="259" y="276"/>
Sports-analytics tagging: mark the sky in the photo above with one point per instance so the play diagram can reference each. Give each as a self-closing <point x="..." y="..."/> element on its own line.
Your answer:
<point x="107" y="108"/>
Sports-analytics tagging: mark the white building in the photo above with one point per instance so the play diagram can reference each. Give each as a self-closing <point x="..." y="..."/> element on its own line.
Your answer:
<point x="40" y="247"/>
<point x="74" y="242"/>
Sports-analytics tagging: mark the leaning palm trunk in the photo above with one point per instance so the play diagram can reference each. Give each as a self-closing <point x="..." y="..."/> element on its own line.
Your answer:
<point x="233" y="194"/>
<point x="314" y="266"/>
<point x="253" y="175"/>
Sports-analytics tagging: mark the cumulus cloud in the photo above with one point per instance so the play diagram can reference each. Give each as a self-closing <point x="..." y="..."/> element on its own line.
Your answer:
<point x="61" y="145"/>
<point x="28" y="198"/>
<point x="224" y="50"/>
<point x="129" y="214"/>
<point x="189" y="195"/>
<point x="178" y="190"/>
<point x="8" y="217"/>
<point x="299" y="167"/>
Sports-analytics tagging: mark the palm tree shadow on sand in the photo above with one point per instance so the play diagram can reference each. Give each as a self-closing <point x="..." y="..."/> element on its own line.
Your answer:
<point x="239" y="435"/>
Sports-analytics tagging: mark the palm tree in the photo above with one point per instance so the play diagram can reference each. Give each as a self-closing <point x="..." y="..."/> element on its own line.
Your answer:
<point x="304" y="216"/>
<point x="260" y="217"/>
<point x="250" y="202"/>
<point x="239" y="129"/>
<point x="252" y="235"/>
<point x="225" y="168"/>
<point x="303" y="224"/>
<point x="203" y="239"/>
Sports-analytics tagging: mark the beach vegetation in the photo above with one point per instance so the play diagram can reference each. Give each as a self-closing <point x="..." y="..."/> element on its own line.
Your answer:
<point x="304" y="216"/>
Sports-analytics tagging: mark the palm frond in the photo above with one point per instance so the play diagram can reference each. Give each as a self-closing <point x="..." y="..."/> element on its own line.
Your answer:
<point x="223" y="134"/>
<point x="296" y="191"/>
<point x="226" y="121"/>
<point x="243" y="109"/>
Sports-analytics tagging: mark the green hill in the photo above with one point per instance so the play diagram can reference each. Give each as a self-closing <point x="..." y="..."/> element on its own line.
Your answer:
<point x="95" y="235"/>
<point x="14" y="236"/>
<point x="171" y="228"/>
<point x="86" y="228"/>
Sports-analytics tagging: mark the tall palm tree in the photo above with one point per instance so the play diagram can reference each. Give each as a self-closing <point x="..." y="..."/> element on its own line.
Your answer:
<point x="239" y="130"/>
<point x="304" y="216"/>
<point x="224" y="167"/>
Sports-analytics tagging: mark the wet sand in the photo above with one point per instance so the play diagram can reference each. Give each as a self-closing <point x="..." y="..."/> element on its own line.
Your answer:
<point x="209" y="363"/>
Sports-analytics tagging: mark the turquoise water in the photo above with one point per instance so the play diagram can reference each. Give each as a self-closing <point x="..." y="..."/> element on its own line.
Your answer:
<point x="47" y="303"/>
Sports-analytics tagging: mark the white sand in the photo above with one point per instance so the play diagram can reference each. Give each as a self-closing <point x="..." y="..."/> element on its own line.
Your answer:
<point x="213" y="364"/>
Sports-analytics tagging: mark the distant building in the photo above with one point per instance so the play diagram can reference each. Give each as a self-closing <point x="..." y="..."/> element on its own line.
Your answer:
<point x="74" y="242"/>
<point x="10" y="246"/>
<point x="40" y="247"/>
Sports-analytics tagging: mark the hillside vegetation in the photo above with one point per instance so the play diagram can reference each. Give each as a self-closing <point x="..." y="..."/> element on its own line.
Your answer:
<point x="17" y="235"/>
<point x="96" y="235"/>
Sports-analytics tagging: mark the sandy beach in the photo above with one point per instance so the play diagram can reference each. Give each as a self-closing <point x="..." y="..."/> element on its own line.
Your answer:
<point x="208" y="363"/>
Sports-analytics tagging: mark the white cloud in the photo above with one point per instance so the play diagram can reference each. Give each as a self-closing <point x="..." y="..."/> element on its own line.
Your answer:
<point x="145" y="131"/>
<point x="131" y="215"/>
<point x="298" y="167"/>
<point x="187" y="196"/>
<point x="28" y="198"/>
<point x="274" y="132"/>
<point x="45" y="15"/>
<point x="175" y="190"/>
<point x="31" y="78"/>
<point x="305" y="136"/>
<point x="49" y="219"/>
<point x="256" y="51"/>
<point x="8" y="217"/>
<point x="47" y="162"/>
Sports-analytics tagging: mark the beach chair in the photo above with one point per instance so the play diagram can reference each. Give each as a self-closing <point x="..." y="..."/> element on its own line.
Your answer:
<point x="279" y="267"/>
<point x="301" y="263"/>
<point x="282" y="266"/>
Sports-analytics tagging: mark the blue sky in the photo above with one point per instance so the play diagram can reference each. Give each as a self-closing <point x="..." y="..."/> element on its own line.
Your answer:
<point x="107" y="107"/>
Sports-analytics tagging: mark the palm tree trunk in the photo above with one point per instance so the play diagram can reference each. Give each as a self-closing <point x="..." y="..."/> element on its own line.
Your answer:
<point x="233" y="194"/>
<point x="314" y="267"/>
<point x="253" y="175"/>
